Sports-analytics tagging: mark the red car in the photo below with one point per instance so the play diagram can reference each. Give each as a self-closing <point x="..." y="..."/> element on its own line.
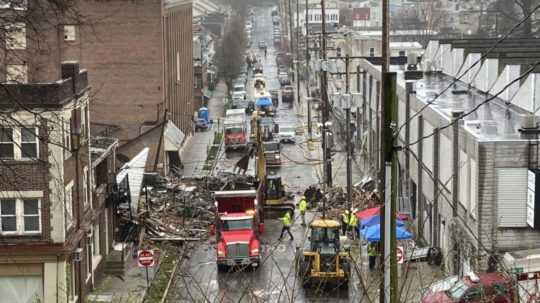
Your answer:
<point x="485" y="287"/>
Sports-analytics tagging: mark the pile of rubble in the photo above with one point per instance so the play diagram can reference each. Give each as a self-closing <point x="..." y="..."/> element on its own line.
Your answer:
<point x="183" y="209"/>
<point x="336" y="200"/>
<point x="176" y="212"/>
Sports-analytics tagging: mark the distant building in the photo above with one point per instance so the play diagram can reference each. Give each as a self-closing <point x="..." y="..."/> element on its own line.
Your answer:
<point x="140" y="55"/>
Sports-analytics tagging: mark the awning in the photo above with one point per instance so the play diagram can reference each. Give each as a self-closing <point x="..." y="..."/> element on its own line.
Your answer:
<point x="134" y="171"/>
<point x="173" y="136"/>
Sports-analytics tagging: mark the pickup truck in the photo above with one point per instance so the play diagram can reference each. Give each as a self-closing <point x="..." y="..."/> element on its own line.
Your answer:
<point x="237" y="229"/>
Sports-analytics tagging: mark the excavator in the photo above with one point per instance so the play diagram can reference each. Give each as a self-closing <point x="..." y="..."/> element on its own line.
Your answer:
<point x="276" y="200"/>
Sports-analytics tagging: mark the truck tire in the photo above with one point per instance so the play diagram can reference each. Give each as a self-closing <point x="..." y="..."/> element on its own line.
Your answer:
<point x="346" y="266"/>
<point x="222" y="268"/>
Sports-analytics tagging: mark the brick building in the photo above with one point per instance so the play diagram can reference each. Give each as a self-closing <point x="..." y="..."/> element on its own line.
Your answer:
<point x="140" y="57"/>
<point x="51" y="230"/>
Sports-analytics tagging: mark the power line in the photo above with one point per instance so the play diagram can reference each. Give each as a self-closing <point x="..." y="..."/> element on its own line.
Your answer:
<point x="511" y="31"/>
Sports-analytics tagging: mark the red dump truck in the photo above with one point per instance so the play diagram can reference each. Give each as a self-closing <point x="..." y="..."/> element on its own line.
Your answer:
<point x="238" y="227"/>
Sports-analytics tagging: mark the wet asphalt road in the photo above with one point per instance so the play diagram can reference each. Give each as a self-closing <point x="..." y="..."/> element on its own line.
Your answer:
<point x="275" y="279"/>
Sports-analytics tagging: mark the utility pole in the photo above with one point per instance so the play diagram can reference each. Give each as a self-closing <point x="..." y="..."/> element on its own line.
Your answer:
<point x="388" y="288"/>
<point x="290" y="27"/>
<point x="310" y="134"/>
<point x="297" y="52"/>
<point x="327" y="163"/>
<point x="347" y="106"/>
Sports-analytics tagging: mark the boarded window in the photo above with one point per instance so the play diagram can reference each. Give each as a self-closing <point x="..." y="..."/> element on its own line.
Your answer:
<point x="16" y="73"/>
<point x="15" y="36"/>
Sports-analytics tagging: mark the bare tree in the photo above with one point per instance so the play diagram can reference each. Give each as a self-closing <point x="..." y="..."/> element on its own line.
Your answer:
<point x="511" y="12"/>
<point x="426" y="17"/>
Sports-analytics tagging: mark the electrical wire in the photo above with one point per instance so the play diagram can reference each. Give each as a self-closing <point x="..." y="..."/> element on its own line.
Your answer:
<point x="503" y="38"/>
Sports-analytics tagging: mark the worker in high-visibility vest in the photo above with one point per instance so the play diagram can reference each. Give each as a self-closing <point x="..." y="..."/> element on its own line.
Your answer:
<point x="302" y="206"/>
<point x="286" y="220"/>
<point x="353" y="224"/>
<point x="372" y="255"/>
<point x="344" y="222"/>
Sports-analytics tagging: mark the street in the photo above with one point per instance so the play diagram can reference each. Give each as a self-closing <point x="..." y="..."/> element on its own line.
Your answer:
<point x="275" y="280"/>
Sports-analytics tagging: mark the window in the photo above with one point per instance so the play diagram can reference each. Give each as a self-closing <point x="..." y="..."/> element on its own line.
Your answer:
<point x="14" y="4"/>
<point x="19" y="143"/>
<point x="29" y="142"/>
<point x="95" y="240"/>
<point x="31" y="215"/>
<point x="67" y="139"/>
<point x="178" y="66"/>
<point x="372" y="52"/>
<point x="16" y="73"/>
<point x="402" y="53"/>
<point x="68" y="200"/>
<point x="6" y="143"/>
<point x="15" y="36"/>
<point x="20" y="216"/>
<point x="70" y="33"/>
<point x="8" y="216"/>
<point x="85" y="185"/>
<point x="83" y="122"/>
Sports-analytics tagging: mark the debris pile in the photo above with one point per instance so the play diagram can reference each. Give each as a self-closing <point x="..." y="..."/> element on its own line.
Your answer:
<point x="336" y="200"/>
<point x="176" y="212"/>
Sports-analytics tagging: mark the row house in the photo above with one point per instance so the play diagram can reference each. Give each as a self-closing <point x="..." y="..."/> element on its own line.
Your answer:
<point x="53" y="224"/>
<point x="469" y="159"/>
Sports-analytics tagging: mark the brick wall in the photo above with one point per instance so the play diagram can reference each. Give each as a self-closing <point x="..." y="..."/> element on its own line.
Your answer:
<point x="30" y="176"/>
<point x="179" y="46"/>
<point x="122" y="47"/>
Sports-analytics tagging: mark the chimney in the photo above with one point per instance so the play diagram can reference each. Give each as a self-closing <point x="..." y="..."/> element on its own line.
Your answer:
<point x="71" y="69"/>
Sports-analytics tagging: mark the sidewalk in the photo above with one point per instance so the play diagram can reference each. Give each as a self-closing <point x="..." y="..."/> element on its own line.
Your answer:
<point x="194" y="153"/>
<point x="131" y="287"/>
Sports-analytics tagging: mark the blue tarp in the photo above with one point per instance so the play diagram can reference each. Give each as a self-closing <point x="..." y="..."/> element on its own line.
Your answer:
<point x="373" y="233"/>
<point x="264" y="101"/>
<point x="377" y="220"/>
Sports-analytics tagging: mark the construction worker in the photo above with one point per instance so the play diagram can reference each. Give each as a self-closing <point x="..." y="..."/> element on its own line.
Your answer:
<point x="372" y="255"/>
<point x="286" y="220"/>
<point x="344" y="222"/>
<point x="353" y="224"/>
<point x="302" y="206"/>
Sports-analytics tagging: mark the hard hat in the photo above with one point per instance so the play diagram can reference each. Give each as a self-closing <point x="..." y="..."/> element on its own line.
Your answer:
<point x="347" y="211"/>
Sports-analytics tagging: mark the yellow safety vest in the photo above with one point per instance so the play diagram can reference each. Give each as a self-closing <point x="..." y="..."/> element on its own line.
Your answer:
<point x="345" y="218"/>
<point x="302" y="206"/>
<point x="353" y="220"/>
<point x="286" y="219"/>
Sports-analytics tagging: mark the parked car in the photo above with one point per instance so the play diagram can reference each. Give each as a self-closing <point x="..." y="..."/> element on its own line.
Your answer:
<point x="284" y="79"/>
<point x="485" y="287"/>
<point x="287" y="133"/>
<point x="287" y="94"/>
<point x="201" y="124"/>
<point x="262" y="44"/>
